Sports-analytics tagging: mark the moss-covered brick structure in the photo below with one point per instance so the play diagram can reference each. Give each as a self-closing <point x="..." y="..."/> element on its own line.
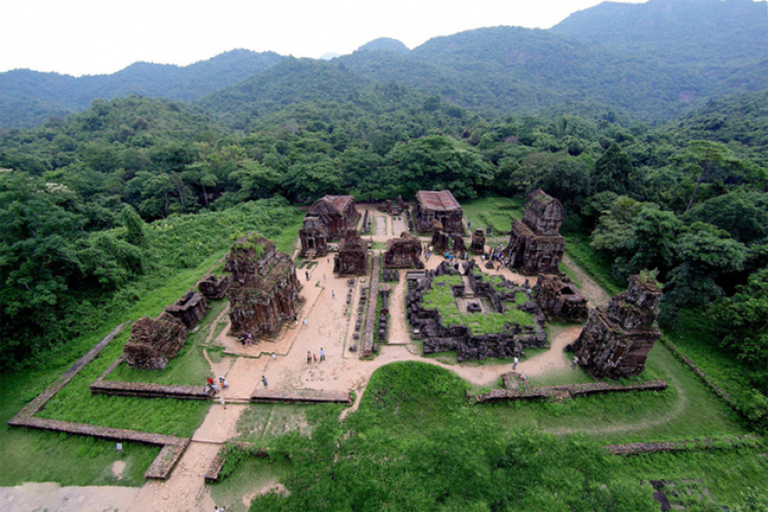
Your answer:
<point x="263" y="290"/>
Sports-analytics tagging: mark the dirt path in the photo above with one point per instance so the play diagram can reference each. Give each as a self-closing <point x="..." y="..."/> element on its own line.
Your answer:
<point x="398" y="329"/>
<point x="590" y="289"/>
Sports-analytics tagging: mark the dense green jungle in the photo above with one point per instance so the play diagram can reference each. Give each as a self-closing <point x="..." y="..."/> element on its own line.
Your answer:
<point x="110" y="212"/>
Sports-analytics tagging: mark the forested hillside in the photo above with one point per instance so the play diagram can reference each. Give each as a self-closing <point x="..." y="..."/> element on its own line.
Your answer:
<point x="688" y="200"/>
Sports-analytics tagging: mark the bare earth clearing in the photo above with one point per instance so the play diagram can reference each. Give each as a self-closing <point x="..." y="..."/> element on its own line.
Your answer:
<point x="283" y="361"/>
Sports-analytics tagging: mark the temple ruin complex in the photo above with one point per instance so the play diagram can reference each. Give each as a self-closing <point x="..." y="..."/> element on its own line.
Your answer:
<point x="327" y="219"/>
<point x="535" y="244"/>
<point x="440" y="206"/>
<point x="263" y="290"/>
<point x="616" y="340"/>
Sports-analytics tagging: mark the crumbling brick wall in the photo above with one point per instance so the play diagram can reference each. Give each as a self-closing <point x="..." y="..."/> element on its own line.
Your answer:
<point x="190" y="309"/>
<point x="352" y="259"/>
<point x="154" y="341"/>
<point x="478" y="242"/>
<point x="559" y="298"/>
<point x="213" y="288"/>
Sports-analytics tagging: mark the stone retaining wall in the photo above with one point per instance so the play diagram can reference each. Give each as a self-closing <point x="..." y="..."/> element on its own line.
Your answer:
<point x="301" y="396"/>
<point x="145" y="389"/>
<point x="566" y="391"/>
<point x="678" y="446"/>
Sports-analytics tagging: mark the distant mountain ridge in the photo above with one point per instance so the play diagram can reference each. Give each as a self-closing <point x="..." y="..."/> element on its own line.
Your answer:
<point x="56" y="94"/>
<point x="652" y="61"/>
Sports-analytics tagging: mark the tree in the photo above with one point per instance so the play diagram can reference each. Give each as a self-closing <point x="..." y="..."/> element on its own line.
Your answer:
<point x="613" y="171"/>
<point x="704" y="158"/>
<point x="704" y="252"/>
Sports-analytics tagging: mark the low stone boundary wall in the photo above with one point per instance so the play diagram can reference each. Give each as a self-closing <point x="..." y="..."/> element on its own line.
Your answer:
<point x="214" y="470"/>
<point x="678" y="446"/>
<point x="173" y="447"/>
<point x="145" y="389"/>
<point x="565" y="391"/>
<point x="302" y="396"/>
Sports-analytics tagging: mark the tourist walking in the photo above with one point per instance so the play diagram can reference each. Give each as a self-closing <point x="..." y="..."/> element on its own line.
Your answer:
<point x="309" y="357"/>
<point x="575" y="362"/>
<point x="514" y="363"/>
<point x="322" y="354"/>
<point x="307" y="274"/>
<point x="264" y="380"/>
<point x="221" y="401"/>
<point x="333" y="294"/>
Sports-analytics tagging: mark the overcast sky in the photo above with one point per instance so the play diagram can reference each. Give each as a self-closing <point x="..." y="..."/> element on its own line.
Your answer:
<point x="80" y="37"/>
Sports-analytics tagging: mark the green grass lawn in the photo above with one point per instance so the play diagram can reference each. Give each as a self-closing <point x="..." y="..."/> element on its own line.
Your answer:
<point x="496" y="212"/>
<point x="441" y="297"/>
<point x="684" y="411"/>
<point x="189" y="367"/>
<point x="38" y="456"/>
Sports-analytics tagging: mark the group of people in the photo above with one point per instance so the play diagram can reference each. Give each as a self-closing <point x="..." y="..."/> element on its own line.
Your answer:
<point x="497" y="256"/>
<point x="212" y="387"/>
<point x="313" y="357"/>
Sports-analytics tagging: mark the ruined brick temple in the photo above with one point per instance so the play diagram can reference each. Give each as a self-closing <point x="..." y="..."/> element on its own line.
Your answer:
<point x="616" y="340"/>
<point x="327" y="219"/>
<point x="440" y="206"/>
<point x="154" y="341"/>
<point x="263" y="289"/>
<point x="402" y="252"/>
<point x="535" y="245"/>
<point x="559" y="298"/>
<point x="352" y="259"/>
<point x="477" y="246"/>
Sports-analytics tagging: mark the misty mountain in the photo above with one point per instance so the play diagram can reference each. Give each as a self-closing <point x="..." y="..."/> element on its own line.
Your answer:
<point x="386" y="44"/>
<point x="650" y="61"/>
<point x="29" y="97"/>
